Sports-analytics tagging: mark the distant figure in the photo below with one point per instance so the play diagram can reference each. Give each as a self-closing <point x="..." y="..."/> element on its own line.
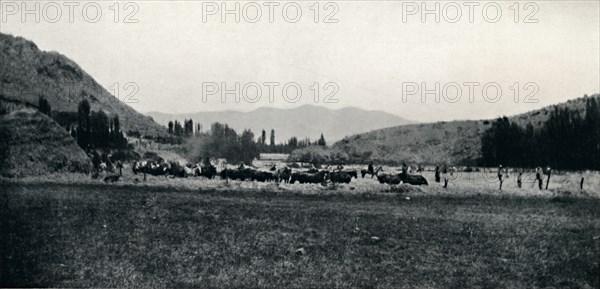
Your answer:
<point x="120" y="167"/>
<point x="519" y="179"/>
<point x="538" y="176"/>
<point x="445" y="174"/>
<point x="404" y="169"/>
<point x="581" y="184"/>
<point x="370" y="169"/>
<point x="437" y="174"/>
<point x="500" y="176"/>
<point x="548" y="172"/>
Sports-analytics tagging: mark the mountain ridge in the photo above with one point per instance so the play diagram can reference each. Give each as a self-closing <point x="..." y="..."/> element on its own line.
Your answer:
<point x="288" y="122"/>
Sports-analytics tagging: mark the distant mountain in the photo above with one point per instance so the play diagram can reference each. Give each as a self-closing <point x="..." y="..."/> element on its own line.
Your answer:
<point x="455" y="142"/>
<point x="27" y="73"/>
<point x="304" y="121"/>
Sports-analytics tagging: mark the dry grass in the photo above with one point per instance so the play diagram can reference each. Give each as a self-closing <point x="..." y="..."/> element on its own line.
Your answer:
<point x="461" y="184"/>
<point x="201" y="233"/>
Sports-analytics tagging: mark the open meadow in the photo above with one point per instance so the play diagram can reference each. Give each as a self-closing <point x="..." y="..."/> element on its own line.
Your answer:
<point x="71" y="231"/>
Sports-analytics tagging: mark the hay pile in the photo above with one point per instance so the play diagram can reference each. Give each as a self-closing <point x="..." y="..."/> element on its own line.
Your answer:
<point x="33" y="144"/>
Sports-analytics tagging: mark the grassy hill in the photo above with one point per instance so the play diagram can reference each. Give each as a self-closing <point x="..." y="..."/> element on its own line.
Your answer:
<point x="454" y="142"/>
<point x="33" y="144"/>
<point x="28" y="73"/>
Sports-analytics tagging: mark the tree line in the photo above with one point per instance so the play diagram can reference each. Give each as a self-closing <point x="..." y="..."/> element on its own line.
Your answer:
<point x="224" y="142"/>
<point x="263" y="144"/>
<point x="93" y="129"/>
<point x="286" y="147"/>
<point x="187" y="129"/>
<point x="569" y="140"/>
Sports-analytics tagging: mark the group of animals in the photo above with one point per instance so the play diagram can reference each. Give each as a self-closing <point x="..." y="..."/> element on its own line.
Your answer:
<point x="285" y="174"/>
<point x="174" y="169"/>
<point x="395" y="179"/>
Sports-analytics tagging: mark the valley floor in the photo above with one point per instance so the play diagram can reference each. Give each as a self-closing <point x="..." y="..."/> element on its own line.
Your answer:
<point x="97" y="235"/>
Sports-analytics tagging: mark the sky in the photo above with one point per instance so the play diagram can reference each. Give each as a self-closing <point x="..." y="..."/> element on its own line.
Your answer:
<point x="480" y="59"/>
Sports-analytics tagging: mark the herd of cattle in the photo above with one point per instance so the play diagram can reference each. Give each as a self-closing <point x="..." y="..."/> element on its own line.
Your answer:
<point x="285" y="174"/>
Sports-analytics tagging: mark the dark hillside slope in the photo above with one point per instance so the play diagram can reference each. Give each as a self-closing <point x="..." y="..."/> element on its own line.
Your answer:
<point x="28" y="73"/>
<point x="34" y="144"/>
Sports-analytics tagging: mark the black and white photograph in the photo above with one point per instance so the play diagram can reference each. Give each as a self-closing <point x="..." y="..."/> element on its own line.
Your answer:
<point x="300" y="144"/>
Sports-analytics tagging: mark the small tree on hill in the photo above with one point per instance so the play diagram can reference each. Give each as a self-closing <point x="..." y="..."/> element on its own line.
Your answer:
<point x="171" y="127"/>
<point x="321" y="141"/>
<point x="44" y="106"/>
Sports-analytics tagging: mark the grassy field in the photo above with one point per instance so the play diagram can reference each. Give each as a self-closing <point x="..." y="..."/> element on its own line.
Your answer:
<point x="151" y="235"/>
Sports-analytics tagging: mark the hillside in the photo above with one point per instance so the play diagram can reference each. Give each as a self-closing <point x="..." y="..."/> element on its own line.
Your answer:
<point x="538" y="116"/>
<point x="454" y="142"/>
<point x="27" y="73"/>
<point x="304" y="121"/>
<point x="34" y="144"/>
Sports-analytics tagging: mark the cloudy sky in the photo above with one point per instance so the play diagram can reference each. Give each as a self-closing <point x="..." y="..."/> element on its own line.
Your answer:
<point x="376" y="55"/>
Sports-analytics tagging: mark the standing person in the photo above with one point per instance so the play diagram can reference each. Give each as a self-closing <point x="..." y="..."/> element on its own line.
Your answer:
<point x="519" y="179"/>
<point x="500" y="176"/>
<point x="538" y="176"/>
<point x="404" y="169"/>
<point x="120" y="167"/>
<point x="437" y="174"/>
<point x="445" y="173"/>
<point x="370" y="169"/>
<point x="548" y="172"/>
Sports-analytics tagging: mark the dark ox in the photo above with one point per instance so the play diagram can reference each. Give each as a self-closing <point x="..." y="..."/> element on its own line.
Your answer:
<point x="341" y="176"/>
<point x="309" y="178"/>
